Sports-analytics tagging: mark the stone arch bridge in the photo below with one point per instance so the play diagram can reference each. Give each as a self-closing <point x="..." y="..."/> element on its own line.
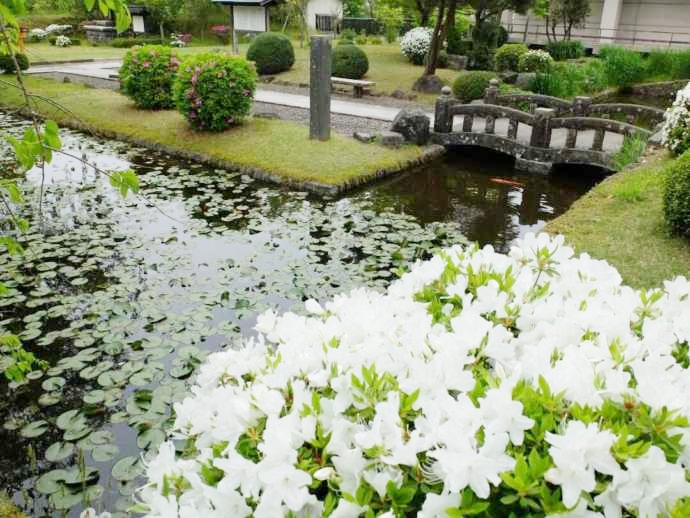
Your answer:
<point x="551" y="131"/>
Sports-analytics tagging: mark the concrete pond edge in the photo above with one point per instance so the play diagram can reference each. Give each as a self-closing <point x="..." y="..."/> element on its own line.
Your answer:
<point x="429" y="153"/>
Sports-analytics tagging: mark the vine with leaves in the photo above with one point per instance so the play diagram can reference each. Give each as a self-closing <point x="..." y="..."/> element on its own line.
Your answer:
<point x="35" y="149"/>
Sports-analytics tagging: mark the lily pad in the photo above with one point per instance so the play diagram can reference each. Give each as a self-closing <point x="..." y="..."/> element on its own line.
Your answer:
<point x="59" y="451"/>
<point x="52" y="384"/>
<point x="104" y="452"/>
<point x="34" y="429"/>
<point x="50" y="482"/>
<point x="127" y="468"/>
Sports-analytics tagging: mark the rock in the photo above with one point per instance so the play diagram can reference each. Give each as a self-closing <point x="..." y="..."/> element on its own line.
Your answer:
<point x="428" y="84"/>
<point x="398" y="94"/>
<point x="391" y="139"/>
<point x="363" y="136"/>
<point x="413" y="124"/>
<point x="524" y="79"/>
<point x="457" y="62"/>
<point x="266" y="115"/>
<point x="509" y="77"/>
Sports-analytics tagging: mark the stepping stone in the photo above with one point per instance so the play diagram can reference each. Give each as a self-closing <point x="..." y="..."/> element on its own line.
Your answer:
<point x="363" y="136"/>
<point x="391" y="139"/>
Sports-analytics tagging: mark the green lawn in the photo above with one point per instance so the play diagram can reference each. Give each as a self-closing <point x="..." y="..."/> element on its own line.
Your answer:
<point x="621" y="220"/>
<point x="280" y="148"/>
<point x="387" y="66"/>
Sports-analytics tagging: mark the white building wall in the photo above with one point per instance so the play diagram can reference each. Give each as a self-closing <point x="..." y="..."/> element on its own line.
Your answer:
<point x="314" y="7"/>
<point x="642" y="24"/>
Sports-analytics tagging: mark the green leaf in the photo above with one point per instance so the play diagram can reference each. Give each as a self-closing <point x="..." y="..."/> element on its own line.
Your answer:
<point x="127" y="468"/>
<point x="125" y="181"/>
<point x="104" y="452"/>
<point x="34" y="429"/>
<point x="51" y="137"/>
<point x="59" y="451"/>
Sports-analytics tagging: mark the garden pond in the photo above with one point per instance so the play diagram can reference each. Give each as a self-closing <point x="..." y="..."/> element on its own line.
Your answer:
<point x="123" y="297"/>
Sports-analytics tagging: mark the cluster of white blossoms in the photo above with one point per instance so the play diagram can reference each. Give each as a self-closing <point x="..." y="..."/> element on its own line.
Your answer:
<point x="527" y="383"/>
<point x="675" y="131"/>
<point x="415" y="44"/>
<point x="63" y="41"/>
<point x="535" y="61"/>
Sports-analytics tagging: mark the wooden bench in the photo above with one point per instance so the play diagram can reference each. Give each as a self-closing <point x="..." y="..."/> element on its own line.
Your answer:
<point x="358" y="85"/>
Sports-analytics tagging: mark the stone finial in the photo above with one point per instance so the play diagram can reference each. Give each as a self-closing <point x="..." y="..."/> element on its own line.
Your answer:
<point x="446" y="90"/>
<point x="494" y="82"/>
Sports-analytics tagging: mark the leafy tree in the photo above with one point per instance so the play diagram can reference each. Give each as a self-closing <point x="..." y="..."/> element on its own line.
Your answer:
<point x="564" y="13"/>
<point x="164" y="12"/>
<point x="354" y="8"/>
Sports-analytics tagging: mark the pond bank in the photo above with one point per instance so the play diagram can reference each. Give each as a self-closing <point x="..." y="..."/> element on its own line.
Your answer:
<point x="270" y="150"/>
<point x="621" y="220"/>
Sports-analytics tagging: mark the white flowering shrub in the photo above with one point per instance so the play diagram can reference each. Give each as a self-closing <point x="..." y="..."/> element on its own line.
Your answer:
<point x="38" y="34"/>
<point x="535" y="61"/>
<point x="176" y="40"/>
<point x="527" y="384"/>
<point x="62" y="41"/>
<point x="675" y="132"/>
<point x="415" y="44"/>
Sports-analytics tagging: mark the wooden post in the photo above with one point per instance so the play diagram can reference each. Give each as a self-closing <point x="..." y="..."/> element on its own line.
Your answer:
<point x="443" y="122"/>
<point x="541" y="131"/>
<point x="320" y="88"/>
<point x="235" y="43"/>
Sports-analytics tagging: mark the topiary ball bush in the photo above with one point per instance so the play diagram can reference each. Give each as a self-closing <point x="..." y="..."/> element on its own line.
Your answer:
<point x="507" y="57"/>
<point x="214" y="91"/>
<point x="471" y="85"/>
<point x="147" y="74"/>
<point x="7" y="65"/>
<point x="349" y="61"/>
<point x="677" y="196"/>
<point x="271" y="52"/>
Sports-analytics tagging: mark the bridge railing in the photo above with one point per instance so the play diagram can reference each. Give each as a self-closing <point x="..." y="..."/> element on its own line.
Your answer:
<point x="542" y="122"/>
<point x="581" y="106"/>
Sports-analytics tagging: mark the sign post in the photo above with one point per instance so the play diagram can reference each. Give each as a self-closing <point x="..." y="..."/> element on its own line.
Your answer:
<point x="320" y="88"/>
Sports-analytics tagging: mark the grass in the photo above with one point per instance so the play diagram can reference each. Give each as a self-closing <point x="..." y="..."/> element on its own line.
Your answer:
<point x="621" y="220"/>
<point x="388" y="68"/>
<point x="632" y="149"/>
<point x="277" y="147"/>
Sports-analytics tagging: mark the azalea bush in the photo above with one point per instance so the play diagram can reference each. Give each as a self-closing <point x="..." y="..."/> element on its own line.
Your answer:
<point x="526" y="384"/>
<point x="507" y="57"/>
<point x="214" y="91"/>
<point x="675" y="132"/>
<point x="415" y="44"/>
<point x="677" y="196"/>
<point x="535" y="61"/>
<point x="146" y="76"/>
<point x="63" y="41"/>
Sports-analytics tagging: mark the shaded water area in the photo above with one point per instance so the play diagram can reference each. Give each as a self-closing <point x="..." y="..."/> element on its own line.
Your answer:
<point x="124" y="297"/>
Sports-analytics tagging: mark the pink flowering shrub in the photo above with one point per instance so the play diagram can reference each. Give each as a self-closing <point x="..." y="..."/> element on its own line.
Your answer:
<point x="532" y="384"/>
<point x="214" y="91"/>
<point x="147" y="74"/>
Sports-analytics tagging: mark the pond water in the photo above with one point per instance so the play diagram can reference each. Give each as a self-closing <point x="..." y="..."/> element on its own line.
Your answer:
<point x="124" y="297"/>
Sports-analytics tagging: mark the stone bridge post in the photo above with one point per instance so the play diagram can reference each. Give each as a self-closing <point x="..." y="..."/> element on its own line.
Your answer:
<point x="491" y="93"/>
<point x="541" y="130"/>
<point x="443" y="122"/>
<point x="581" y="106"/>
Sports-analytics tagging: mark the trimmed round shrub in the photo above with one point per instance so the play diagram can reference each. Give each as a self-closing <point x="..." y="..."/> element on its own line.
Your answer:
<point x="271" y="52"/>
<point x="415" y="44"/>
<point x="677" y="196"/>
<point x="147" y="74"/>
<point x="349" y="61"/>
<point x="508" y="56"/>
<point x="623" y="67"/>
<point x="675" y="132"/>
<point x="471" y="85"/>
<point x="535" y="61"/>
<point x="7" y="65"/>
<point x="214" y="91"/>
<point x="566" y="49"/>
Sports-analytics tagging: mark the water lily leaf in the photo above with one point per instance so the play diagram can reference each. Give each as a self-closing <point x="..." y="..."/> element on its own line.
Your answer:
<point x="76" y="476"/>
<point x="50" y="482"/>
<point x="52" y="384"/>
<point x="74" y="434"/>
<point x="127" y="468"/>
<point x="94" y="397"/>
<point x="34" y="429"/>
<point x="104" y="452"/>
<point x="64" y="499"/>
<point x="59" y="451"/>
<point x="112" y="379"/>
<point x="50" y="398"/>
<point x="70" y="419"/>
<point x="150" y="438"/>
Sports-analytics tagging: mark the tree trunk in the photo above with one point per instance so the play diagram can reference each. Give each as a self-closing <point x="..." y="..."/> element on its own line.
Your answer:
<point x="424" y="13"/>
<point x="450" y="20"/>
<point x="160" y="26"/>
<point x="432" y="58"/>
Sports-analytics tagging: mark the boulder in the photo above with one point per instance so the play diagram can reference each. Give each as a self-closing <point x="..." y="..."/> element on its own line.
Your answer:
<point x="457" y="62"/>
<point x="391" y="139"/>
<point x="413" y="124"/>
<point x="363" y="136"/>
<point x="524" y="79"/>
<point x="509" y="77"/>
